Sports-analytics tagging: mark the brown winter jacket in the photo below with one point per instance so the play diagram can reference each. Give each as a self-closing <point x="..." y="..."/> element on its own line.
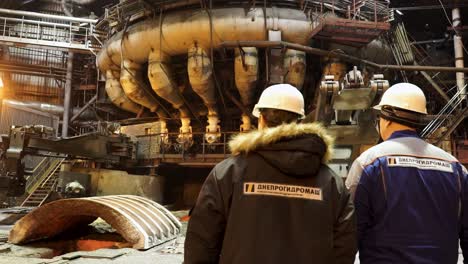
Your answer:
<point x="274" y="201"/>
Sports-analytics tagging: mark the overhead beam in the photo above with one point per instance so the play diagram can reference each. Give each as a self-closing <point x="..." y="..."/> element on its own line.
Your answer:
<point x="335" y="54"/>
<point x="88" y="104"/>
<point x="428" y="7"/>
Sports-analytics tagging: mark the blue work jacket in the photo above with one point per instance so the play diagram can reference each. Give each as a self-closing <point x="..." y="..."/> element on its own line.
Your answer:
<point x="411" y="202"/>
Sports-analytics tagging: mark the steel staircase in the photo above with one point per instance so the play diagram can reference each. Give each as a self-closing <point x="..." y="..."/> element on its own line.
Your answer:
<point x="450" y="117"/>
<point x="42" y="182"/>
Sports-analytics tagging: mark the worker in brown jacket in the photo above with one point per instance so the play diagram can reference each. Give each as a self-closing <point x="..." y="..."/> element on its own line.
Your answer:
<point x="274" y="200"/>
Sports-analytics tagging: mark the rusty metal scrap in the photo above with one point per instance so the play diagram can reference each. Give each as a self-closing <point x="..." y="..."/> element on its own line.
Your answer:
<point x="141" y="222"/>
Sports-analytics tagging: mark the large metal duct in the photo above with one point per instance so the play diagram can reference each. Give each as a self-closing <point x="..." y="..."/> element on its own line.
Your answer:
<point x="295" y="67"/>
<point x="246" y="75"/>
<point x="201" y="78"/>
<point x="131" y="79"/>
<point x="142" y="222"/>
<point x="160" y="77"/>
<point x="116" y="93"/>
<point x="179" y="30"/>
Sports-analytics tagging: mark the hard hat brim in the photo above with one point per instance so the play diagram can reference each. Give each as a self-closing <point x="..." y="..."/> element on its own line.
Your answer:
<point x="256" y="111"/>
<point x="379" y="108"/>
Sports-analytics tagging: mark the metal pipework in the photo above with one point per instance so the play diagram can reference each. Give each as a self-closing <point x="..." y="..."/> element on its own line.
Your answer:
<point x="68" y="93"/>
<point x="50" y="108"/>
<point x="246" y="75"/>
<point x="164" y="133"/>
<point x="185" y="136"/>
<point x="177" y="31"/>
<point x="201" y="78"/>
<point x="160" y="77"/>
<point x="83" y="2"/>
<point x="181" y="29"/>
<point x="131" y="79"/>
<point x="458" y="46"/>
<point x="117" y="95"/>
<point x="246" y="123"/>
<point x="295" y="67"/>
<point x="334" y="54"/>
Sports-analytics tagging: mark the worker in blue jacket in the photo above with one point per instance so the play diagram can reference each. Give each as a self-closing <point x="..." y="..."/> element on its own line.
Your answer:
<point x="411" y="197"/>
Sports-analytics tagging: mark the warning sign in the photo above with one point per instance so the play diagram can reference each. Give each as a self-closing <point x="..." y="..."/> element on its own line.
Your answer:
<point x="420" y="163"/>
<point x="283" y="190"/>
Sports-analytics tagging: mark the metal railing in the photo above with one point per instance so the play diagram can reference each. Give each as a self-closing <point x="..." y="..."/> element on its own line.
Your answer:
<point x="162" y="145"/>
<point x="42" y="171"/>
<point x="48" y="30"/>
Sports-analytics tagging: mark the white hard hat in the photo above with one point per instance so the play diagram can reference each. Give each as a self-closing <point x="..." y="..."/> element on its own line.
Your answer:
<point x="282" y="97"/>
<point x="405" y="96"/>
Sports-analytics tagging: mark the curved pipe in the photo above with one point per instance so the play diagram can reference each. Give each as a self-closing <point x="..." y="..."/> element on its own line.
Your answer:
<point x="201" y="78"/>
<point x="246" y="75"/>
<point x="295" y="67"/>
<point x="83" y="2"/>
<point x="181" y="29"/>
<point x="117" y="95"/>
<point x="160" y="77"/>
<point x="131" y="79"/>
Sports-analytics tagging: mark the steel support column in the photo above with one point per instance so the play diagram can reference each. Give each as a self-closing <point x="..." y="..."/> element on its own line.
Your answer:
<point x="67" y="97"/>
<point x="458" y="43"/>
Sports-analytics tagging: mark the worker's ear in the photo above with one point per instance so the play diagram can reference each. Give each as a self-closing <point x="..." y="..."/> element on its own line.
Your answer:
<point x="261" y="122"/>
<point x="385" y="123"/>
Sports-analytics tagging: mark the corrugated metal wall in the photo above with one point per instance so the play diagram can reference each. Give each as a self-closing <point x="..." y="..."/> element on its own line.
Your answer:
<point x="19" y="116"/>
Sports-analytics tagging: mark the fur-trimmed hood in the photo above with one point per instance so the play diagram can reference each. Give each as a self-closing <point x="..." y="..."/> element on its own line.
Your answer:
<point x="295" y="149"/>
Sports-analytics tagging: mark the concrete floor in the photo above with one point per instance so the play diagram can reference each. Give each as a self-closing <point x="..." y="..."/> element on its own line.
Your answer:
<point x="168" y="253"/>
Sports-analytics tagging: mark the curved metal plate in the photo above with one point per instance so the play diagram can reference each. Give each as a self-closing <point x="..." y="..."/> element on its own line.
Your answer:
<point x="142" y="222"/>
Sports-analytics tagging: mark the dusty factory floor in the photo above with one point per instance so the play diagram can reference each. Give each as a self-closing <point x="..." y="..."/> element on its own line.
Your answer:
<point x="167" y="253"/>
